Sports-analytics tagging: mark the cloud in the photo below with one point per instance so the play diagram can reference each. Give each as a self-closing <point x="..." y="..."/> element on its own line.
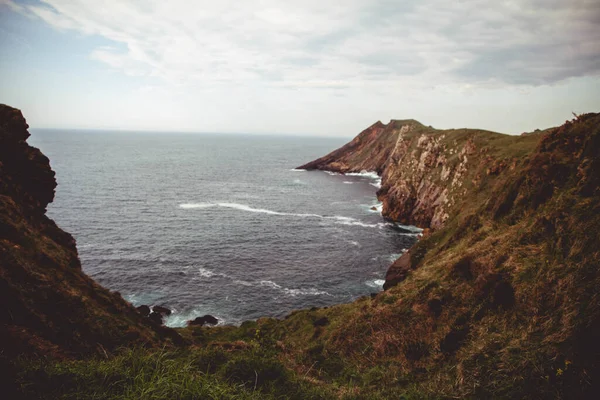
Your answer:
<point x="335" y="45"/>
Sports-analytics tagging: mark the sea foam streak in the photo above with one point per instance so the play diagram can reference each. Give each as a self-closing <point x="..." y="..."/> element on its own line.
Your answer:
<point x="196" y="205"/>
<point x="368" y="174"/>
<point x="294" y="292"/>
<point x="243" y="207"/>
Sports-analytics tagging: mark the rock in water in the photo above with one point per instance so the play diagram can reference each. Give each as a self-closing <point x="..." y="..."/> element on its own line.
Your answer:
<point x="205" y="320"/>
<point x="161" y="310"/>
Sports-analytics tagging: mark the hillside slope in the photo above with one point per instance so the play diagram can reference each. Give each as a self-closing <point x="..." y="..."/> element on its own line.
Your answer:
<point x="48" y="306"/>
<point x="502" y="298"/>
<point x="426" y="172"/>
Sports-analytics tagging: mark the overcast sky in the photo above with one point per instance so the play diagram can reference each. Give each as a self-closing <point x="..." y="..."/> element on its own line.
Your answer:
<point x="299" y="67"/>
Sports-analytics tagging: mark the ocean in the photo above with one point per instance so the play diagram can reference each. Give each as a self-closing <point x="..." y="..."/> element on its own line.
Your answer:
<point x="219" y="224"/>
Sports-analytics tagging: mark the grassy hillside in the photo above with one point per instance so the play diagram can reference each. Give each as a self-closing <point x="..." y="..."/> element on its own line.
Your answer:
<point x="499" y="301"/>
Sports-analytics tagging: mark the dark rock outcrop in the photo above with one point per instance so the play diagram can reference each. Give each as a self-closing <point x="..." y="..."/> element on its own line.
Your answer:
<point x="204" y="320"/>
<point x="156" y="317"/>
<point x="144" y="310"/>
<point x="161" y="310"/>
<point x="48" y="306"/>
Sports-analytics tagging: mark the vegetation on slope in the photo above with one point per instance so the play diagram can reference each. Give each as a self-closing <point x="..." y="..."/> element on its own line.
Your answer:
<point x="500" y="302"/>
<point x="48" y="306"/>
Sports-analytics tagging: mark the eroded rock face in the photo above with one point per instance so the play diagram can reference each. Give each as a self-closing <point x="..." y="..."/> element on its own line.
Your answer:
<point x="48" y="306"/>
<point x="426" y="173"/>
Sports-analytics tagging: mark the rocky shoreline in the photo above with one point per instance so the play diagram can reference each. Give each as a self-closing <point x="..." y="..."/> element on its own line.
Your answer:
<point x="425" y="172"/>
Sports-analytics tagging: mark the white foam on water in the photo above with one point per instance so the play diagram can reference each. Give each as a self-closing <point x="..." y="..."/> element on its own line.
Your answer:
<point x="180" y="320"/>
<point x="207" y="273"/>
<point x="295" y="292"/>
<point x="378" y="208"/>
<point x="243" y="207"/>
<point x="196" y="205"/>
<point x="297" y="170"/>
<point x="375" y="283"/>
<point x="377" y="183"/>
<point x="410" y="228"/>
<point x="305" y="292"/>
<point x="348" y="182"/>
<point x="138" y="299"/>
<point x="379" y="225"/>
<point x="243" y="283"/>
<point x="270" y="284"/>
<point x="332" y="173"/>
<point x="365" y="173"/>
<point x="354" y="243"/>
<point x="394" y="257"/>
<point x="368" y="174"/>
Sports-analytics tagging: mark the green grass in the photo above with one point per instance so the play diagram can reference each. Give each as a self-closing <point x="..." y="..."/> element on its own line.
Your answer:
<point x="163" y="374"/>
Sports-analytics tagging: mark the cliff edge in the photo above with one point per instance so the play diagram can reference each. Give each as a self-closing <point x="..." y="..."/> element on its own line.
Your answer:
<point x="426" y="172"/>
<point x="48" y="306"/>
<point x="500" y="298"/>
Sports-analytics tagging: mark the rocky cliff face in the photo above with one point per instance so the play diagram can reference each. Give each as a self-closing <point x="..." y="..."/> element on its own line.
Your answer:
<point x="500" y="299"/>
<point x="426" y="172"/>
<point x="47" y="304"/>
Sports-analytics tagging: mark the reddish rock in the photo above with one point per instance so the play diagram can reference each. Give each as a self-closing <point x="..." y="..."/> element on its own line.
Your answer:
<point x="398" y="271"/>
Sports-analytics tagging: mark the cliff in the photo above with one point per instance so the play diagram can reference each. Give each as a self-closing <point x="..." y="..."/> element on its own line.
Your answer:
<point x="426" y="172"/>
<point x="500" y="299"/>
<point x="48" y="306"/>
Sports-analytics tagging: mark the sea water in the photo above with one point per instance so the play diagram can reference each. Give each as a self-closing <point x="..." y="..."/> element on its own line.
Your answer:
<point x="219" y="224"/>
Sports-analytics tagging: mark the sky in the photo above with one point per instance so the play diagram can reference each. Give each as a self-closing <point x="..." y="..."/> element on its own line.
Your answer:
<point x="307" y="67"/>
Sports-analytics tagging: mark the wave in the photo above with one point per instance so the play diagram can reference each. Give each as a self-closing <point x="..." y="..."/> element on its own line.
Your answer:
<point x="394" y="257"/>
<point x="364" y="173"/>
<point x="270" y="284"/>
<point x="378" y="207"/>
<point x="295" y="292"/>
<point x="306" y="292"/>
<point x="410" y="228"/>
<point x="180" y="319"/>
<point x="138" y="299"/>
<point x="196" y="205"/>
<point x="368" y="174"/>
<point x="297" y="170"/>
<point x="207" y="273"/>
<point x="243" y="283"/>
<point x="243" y="207"/>
<point x="348" y="182"/>
<point x="375" y="283"/>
